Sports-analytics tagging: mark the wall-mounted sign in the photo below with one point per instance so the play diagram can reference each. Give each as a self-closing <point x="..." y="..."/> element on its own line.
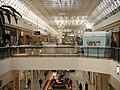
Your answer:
<point x="36" y="32"/>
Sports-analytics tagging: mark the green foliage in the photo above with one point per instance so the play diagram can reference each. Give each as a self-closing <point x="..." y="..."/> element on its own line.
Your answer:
<point x="9" y="12"/>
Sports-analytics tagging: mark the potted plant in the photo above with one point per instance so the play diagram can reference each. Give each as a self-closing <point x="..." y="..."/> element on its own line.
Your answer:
<point x="8" y="11"/>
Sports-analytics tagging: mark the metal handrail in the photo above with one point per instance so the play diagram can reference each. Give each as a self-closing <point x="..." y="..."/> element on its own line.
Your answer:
<point x="60" y="51"/>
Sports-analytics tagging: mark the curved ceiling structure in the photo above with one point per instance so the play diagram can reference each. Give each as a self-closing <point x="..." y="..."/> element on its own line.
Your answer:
<point x="66" y="15"/>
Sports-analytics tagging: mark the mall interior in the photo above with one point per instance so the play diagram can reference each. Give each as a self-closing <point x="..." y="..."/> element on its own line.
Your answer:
<point x="59" y="44"/>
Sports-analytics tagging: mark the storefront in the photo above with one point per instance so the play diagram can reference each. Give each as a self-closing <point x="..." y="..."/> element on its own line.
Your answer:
<point x="9" y="86"/>
<point x="94" y="40"/>
<point x="24" y="76"/>
<point x="10" y="36"/>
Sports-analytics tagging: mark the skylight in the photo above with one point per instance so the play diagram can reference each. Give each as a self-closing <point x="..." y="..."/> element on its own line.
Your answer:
<point x="28" y="14"/>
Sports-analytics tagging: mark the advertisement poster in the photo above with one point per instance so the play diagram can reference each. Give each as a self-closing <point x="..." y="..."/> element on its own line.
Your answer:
<point x="93" y="43"/>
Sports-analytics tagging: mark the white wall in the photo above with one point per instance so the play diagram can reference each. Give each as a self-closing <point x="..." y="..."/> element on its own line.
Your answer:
<point x="113" y="69"/>
<point x="25" y="25"/>
<point x="115" y="83"/>
<point x="6" y="78"/>
<point x="5" y="65"/>
<point x="21" y="24"/>
<point x="51" y="63"/>
<point x="5" y="71"/>
<point x="61" y="63"/>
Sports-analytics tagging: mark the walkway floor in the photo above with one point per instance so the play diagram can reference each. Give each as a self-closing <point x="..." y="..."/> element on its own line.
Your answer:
<point x="81" y="76"/>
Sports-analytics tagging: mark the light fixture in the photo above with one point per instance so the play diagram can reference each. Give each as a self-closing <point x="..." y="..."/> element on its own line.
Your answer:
<point x="88" y="25"/>
<point x="118" y="70"/>
<point x="40" y="51"/>
<point x="63" y="37"/>
<point x="71" y="35"/>
<point x="61" y="13"/>
<point x="22" y="33"/>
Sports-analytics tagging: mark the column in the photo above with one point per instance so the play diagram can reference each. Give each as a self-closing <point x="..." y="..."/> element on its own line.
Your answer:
<point x="16" y="80"/>
<point x="92" y="82"/>
<point x="17" y="37"/>
<point x="24" y="42"/>
<point x="17" y="40"/>
<point x="119" y="38"/>
<point x="32" y="80"/>
<point x="26" y="79"/>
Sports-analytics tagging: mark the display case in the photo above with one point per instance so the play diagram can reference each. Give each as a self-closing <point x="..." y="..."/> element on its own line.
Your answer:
<point x="96" y="43"/>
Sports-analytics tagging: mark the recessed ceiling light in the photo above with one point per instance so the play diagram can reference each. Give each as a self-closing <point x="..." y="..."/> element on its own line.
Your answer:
<point x="61" y="13"/>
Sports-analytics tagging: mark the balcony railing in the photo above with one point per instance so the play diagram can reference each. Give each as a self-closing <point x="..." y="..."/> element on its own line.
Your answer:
<point x="60" y="51"/>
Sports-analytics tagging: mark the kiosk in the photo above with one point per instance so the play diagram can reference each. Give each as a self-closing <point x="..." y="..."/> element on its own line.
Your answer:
<point x="94" y="43"/>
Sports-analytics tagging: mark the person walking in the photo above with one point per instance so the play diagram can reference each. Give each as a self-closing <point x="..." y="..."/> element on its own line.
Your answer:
<point x="45" y="74"/>
<point x="86" y="86"/>
<point x="80" y="86"/>
<point x="70" y="83"/>
<point x="29" y="84"/>
<point x="40" y="82"/>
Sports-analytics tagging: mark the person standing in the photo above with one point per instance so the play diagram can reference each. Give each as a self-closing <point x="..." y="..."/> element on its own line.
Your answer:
<point x="40" y="82"/>
<point x="86" y="86"/>
<point x="80" y="86"/>
<point x="113" y="43"/>
<point x="29" y="83"/>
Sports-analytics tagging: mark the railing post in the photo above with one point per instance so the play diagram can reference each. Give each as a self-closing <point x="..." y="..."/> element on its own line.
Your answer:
<point x="7" y="52"/>
<point x="97" y="52"/>
<point x="87" y="52"/>
<point x="114" y="54"/>
<point x="3" y="53"/>
<point x="118" y="56"/>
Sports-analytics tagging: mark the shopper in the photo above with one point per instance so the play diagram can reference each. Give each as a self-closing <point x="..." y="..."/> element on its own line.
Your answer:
<point x="86" y="86"/>
<point x="70" y="83"/>
<point x="113" y="43"/>
<point x="80" y="86"/>
<point x="45" y="74"/>
<point x="29" y="83"/>
<point x="40" y="82"/>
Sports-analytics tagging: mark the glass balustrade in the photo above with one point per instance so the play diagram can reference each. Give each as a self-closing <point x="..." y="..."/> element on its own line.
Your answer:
<point x="60" y="51"/>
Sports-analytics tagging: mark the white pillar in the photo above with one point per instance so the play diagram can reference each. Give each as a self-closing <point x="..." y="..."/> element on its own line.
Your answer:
<point x="26" y="79"/>
<point x="17" y="37"/>
<point x="32" y="80"/>
<point x="17" y="40"/>
<point x="92" y="78"/>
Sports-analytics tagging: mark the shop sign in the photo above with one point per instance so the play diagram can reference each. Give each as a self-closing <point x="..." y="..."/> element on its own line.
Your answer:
<point x="7" y="32"/>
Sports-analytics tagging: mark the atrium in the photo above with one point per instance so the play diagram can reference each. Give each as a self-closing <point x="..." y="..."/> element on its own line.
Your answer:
<point x="61" y="42"/>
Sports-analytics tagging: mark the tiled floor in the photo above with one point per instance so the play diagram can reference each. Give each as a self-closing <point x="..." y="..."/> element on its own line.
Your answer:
<point x="78" y="75"/>
<point x="82" y="77"/>
<point x="36" y="85"/>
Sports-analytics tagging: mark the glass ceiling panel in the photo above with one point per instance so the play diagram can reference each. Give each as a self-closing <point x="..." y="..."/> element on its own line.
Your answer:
<point x="27" y="13"/>
<point x="118" y="1"/>
<point x="104" y="8"/>
<point x="62" y="21"/>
